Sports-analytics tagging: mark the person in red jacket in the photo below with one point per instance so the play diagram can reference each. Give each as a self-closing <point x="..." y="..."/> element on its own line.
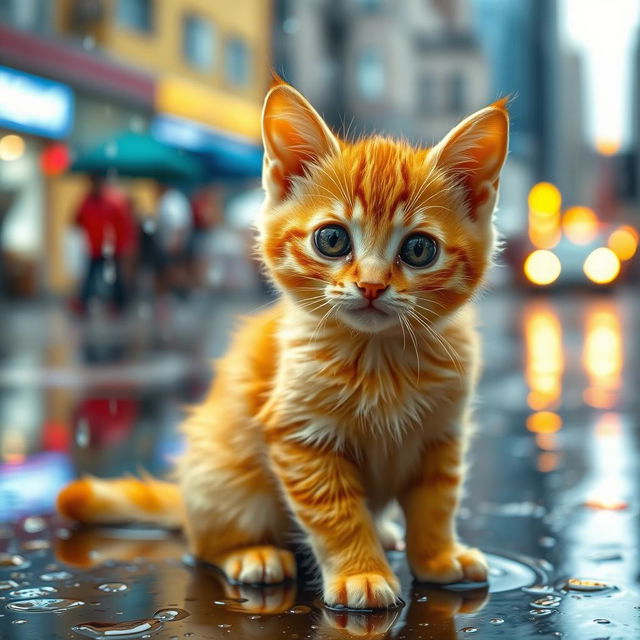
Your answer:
<point x="110" y="231"/>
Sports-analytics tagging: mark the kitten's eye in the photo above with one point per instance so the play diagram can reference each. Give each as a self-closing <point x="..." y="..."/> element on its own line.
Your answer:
<point x="332" y="241"/>
<point x="419" y="250"/>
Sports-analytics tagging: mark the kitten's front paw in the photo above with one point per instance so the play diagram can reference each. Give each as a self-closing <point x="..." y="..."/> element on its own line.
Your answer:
<point x="455" y="565"/>
<point x="362" y="591"/>
<point x="258" y="565"/>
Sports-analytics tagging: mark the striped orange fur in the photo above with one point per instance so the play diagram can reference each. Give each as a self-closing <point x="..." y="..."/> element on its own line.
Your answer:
<point x="353" y="391"/>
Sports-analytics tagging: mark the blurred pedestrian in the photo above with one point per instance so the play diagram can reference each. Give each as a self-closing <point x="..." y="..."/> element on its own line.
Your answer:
<point x="206" y="217"/>
<point x="106" y="220"/>
<point x="174" y="226"/>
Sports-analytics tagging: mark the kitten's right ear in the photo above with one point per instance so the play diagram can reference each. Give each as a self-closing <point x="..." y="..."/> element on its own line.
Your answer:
<point x="294" y="136"/>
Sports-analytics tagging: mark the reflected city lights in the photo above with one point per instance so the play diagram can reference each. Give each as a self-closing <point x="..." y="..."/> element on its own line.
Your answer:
<point x="548" y="461"/>
<point x="544" y="422"/>
<point x="624" y="242"/>
<point x="602" y="266"/>
<point x="11" y="147"/>
<point x="544" y="359"/>
<point x="607" y="147"/>
<point x="609" y="445"/>
<point x="603" y="357"/>
<point x="542" y="267"/>
<point x="580" y="224"/>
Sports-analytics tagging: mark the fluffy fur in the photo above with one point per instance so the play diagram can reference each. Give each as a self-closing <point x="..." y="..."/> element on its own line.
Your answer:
<point x="331" y="405"/>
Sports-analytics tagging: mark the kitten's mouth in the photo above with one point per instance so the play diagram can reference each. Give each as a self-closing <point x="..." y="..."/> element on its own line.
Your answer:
<point x="368" y="311"/>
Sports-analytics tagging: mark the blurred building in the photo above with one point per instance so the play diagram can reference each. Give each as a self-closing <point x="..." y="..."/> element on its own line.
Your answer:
<point x="192" y="71"/>
<point x="411" y="68"/>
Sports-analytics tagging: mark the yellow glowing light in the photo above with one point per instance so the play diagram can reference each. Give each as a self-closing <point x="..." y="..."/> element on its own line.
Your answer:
<point x="547" y="441"/>
<point x="544" y="422"/>
<point x="624" y="242"/>
<point x="580" y="224"/>
<point x="542" y="267"/>
<point x="11" y="147"/>
<point x="602" y="357"/>
<point x="602" y="266"/>
<point x="607" y="147"/>
<point x="606" y="503"/>
<point x="544" y="358"/>
<point x="544" y="198"/>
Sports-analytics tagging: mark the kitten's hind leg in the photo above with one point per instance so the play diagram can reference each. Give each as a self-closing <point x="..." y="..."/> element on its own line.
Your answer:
<point x="236" y="521"/>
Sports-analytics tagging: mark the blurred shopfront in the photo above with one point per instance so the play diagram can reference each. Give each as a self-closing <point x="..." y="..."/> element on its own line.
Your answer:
<point x="193" y="74"/>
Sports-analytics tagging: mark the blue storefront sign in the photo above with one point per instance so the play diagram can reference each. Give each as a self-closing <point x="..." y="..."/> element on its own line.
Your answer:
<point x="35" y="105"/>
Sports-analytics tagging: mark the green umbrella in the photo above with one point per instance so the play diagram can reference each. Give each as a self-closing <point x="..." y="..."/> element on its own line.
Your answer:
<point x="138" y="155"/>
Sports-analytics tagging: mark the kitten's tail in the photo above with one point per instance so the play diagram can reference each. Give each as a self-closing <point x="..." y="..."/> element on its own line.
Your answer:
<point x="147" y="500"/>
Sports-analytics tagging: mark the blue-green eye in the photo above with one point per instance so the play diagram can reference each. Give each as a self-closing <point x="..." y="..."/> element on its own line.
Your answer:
<point x="332" y="241"/>
<point x="419" y="250"/>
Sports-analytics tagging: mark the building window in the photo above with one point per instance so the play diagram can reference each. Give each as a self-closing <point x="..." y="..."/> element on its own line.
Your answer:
<point x="198" y="40"/>
<point x="457" y="92"/>
<point x="236" y="61"/>
<point x="135" y="14"/>
<point x="427" y="94"/>
<point x="370" y="74"/>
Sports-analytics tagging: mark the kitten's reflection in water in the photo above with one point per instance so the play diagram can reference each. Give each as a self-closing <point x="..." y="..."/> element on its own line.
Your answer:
<point x="250" y="612"/>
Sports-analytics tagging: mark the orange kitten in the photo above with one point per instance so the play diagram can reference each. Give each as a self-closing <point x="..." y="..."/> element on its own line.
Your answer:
<point x="353" y="391"/>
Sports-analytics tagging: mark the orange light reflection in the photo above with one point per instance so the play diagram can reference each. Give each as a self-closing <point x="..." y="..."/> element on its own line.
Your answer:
<point x="544" y="357"/>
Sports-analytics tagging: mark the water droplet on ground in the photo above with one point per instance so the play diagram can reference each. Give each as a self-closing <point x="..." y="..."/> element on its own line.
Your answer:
<point x="582" y="584"/>
<point x="300" y="609"/>
<point x="602" y="621"/>
<point x="605" y="556"/>
<point x="546" y="602"/>
<point x="13" y="561"/>
<point x="113" y="587"/>
<point x="172" y="613"/>
<point x="539" y="589"/>
<point x="129" y="629"/>
<point x="53" y="576"/>
<point x="224" y="626"/>
<point x="496" y="621"/>
<point x="469" y="629"/>
<point x="36" y="545"/>
<point x="42" y="605"/>
<point x="7" y="584"/>
<point x="541" y="613"/>
<point x="19" y="621"/>
<point x="34" y="524"/>
<point x="423" y="599"/>
<point x="33" y="592"/>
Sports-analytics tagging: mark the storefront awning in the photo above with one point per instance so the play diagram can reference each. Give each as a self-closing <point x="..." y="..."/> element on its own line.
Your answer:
<point x="224" y="155"/>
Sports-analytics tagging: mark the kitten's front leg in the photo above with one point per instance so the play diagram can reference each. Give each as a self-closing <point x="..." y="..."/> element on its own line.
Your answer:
<point x="429" y="503"/>
<point x="325" y="492"/>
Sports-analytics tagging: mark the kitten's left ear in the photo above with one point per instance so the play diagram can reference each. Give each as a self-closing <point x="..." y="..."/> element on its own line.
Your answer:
<point x="473" y="153"/>
<point x="294" y="136"/>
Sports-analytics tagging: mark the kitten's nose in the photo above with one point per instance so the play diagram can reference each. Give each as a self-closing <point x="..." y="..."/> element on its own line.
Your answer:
<point x="371" y="290"/>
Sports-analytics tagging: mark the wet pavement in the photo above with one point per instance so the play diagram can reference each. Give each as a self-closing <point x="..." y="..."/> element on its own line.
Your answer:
<point x="552" y="493"/>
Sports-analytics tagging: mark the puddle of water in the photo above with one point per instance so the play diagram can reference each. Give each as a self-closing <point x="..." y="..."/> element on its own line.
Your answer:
<point x="113" y="587"/>
<point x="171" y="614"/>
<point x="33" y="592"/>
<point x="587" y="585"/>
<point x="44" y="605"/>
<point x="123" y="630"/>
<point x="13" y="561"/>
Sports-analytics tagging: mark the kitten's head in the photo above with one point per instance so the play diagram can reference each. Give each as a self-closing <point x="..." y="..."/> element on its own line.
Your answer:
<point x="377" y="232"/>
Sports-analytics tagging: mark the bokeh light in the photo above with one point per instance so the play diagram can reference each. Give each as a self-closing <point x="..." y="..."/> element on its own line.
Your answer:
<point x="624" y="242"/>
<point x="542" y="267"/>
<point x="11" y="147"/>
<point x="580" y="225"/>
<point x="602" y="266"/>
<point x="545" y="198"/>
<point x="544" y="422"/>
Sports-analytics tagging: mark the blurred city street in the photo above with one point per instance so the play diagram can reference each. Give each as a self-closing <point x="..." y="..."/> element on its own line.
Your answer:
<point x="130" y="162"/>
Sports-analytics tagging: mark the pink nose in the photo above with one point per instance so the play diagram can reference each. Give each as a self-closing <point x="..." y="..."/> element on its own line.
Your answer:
<point x="371" y="290"/>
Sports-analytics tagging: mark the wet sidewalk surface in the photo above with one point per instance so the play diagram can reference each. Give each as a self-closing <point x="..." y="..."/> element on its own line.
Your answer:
<point x="552" y="493"/>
